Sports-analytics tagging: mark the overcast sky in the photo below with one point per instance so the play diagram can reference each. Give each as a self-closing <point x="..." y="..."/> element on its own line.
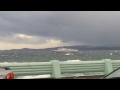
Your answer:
<point x="44" y="29"/>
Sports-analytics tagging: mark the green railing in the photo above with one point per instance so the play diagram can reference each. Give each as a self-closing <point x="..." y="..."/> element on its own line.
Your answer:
<point x="56" y="68"/>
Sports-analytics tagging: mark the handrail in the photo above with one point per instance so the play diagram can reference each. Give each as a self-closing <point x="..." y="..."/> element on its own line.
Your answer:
<point x="56" y="68"/>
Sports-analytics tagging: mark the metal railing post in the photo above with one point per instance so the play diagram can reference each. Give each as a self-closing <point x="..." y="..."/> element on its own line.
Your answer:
<point x="108" y="66"/>
<point x="56" y="72"/>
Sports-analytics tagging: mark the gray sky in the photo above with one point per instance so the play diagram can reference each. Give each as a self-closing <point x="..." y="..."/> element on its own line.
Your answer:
<point x="44" y="29"/>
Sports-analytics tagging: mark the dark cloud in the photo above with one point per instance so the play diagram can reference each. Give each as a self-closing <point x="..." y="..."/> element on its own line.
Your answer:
<point x="96" y="27"/>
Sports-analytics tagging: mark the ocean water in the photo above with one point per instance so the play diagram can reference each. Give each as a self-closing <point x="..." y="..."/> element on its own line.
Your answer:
<point x="32" y="56"/>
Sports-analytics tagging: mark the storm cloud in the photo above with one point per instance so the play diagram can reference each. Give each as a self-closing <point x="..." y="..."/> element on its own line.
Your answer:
<point x="65" y="27"/>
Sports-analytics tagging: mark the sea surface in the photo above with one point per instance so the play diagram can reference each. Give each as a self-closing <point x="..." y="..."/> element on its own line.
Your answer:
<point x="38" y="56"/>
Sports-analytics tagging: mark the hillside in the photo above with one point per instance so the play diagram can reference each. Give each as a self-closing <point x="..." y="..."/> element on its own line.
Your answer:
<point x="79" y="47"/>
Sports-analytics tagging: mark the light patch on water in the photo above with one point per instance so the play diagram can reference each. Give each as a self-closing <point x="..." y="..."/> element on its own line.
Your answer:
<point x="116" y="51"/>
<point x="111" y="53"/>
<point x="2" y="55"/>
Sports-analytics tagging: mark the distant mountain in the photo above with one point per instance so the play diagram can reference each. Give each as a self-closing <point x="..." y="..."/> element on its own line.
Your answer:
<point x="79" y="47"/>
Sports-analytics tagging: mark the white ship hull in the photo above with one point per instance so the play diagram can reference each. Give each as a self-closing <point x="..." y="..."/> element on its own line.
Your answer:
<point x="65" y="51"/>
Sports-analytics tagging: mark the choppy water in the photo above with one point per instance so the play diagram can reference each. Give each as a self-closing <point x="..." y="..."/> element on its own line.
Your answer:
<point x="33" y="56"/>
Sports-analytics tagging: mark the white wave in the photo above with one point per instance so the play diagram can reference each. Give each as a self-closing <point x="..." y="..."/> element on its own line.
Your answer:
<point x="4" y="62"/>
<point x="68" y="54"/>
<point x="11" y="62"/>
<point x="73" y="60"/>
<point x="16" y="62"/>
<point x="3" y="55"/>
<point x="111" y="53"/>
<point x="41" y="62"/>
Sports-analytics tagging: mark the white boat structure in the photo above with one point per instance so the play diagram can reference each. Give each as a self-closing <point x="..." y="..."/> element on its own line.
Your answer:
<point x="65" y="50"/>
